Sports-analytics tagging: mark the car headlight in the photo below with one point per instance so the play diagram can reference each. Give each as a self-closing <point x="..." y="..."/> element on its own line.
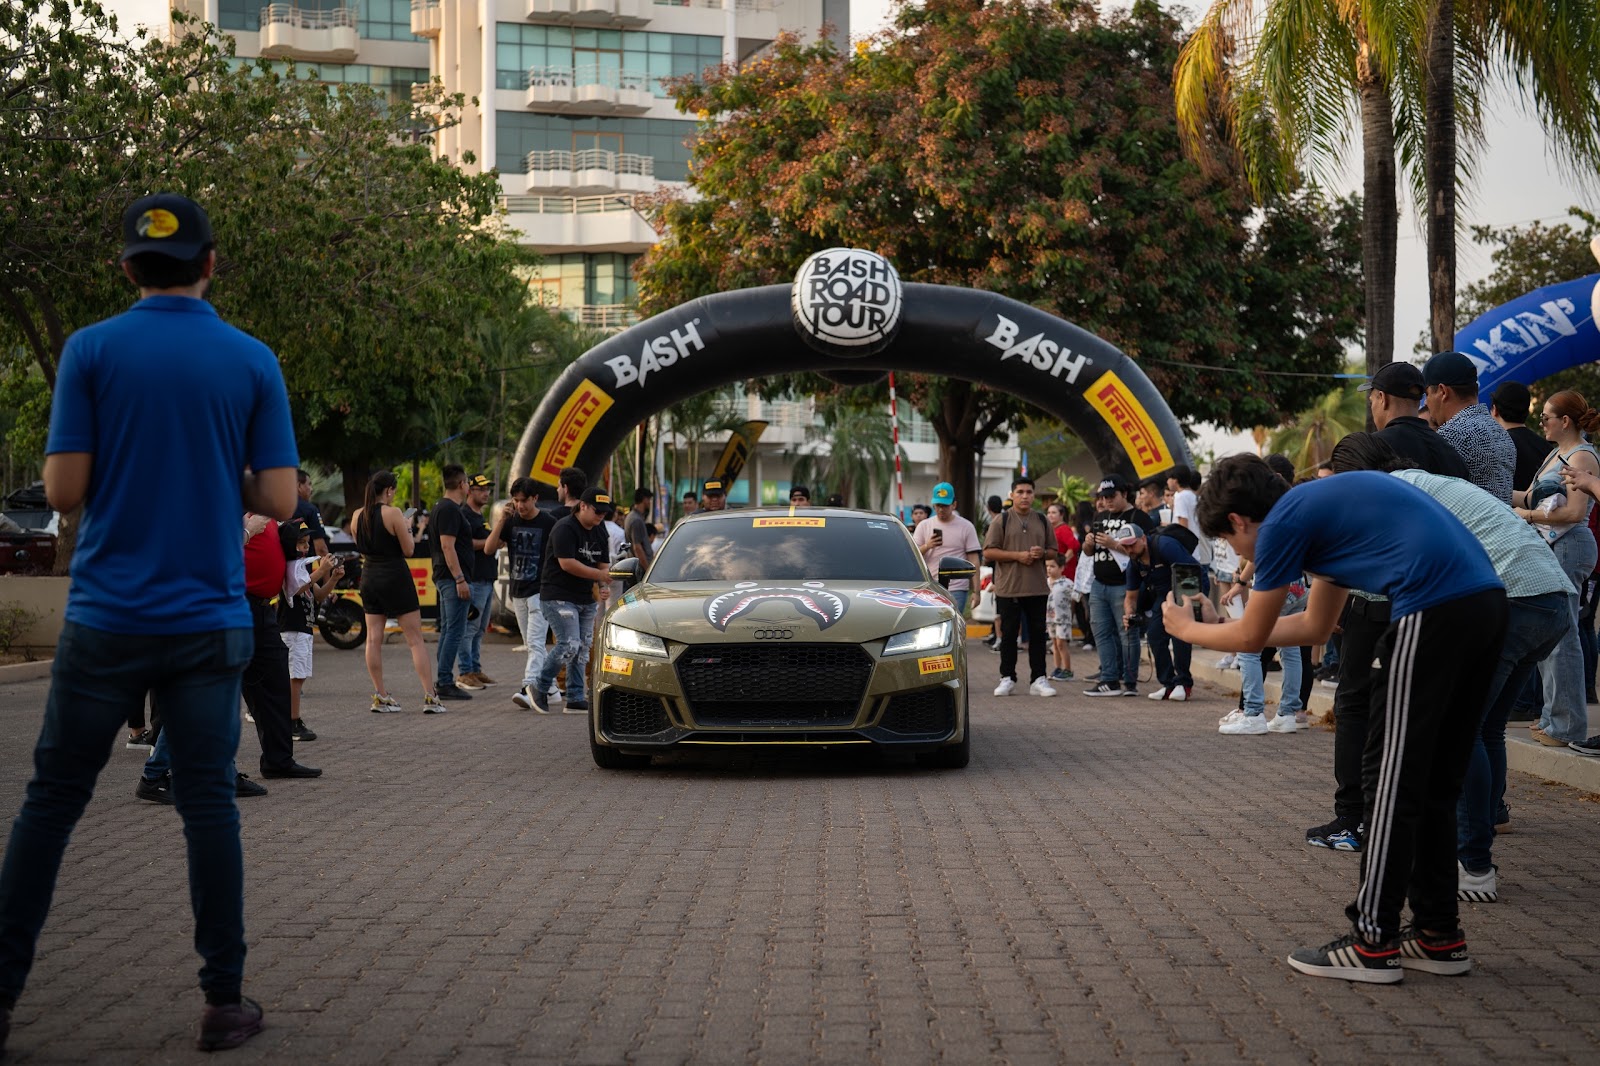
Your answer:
<point x="634" y="642"/>
<point x="928" y="638"/>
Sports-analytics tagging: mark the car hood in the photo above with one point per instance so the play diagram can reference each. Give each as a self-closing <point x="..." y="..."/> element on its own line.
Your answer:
<point x="696" y="612"/>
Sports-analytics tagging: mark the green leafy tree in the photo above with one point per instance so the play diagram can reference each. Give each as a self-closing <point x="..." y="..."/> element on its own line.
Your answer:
<point x="363" y="261"/>
<point x="858" y="460"/>
<point x="1026" y="149"/>
<point x="1309" y="437"/>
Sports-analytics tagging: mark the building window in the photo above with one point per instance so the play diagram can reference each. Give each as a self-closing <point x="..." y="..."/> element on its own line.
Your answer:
<point x="386" y="20"/>
<point x="657" y="56"/>
<point x="666" y="140"/>
<point x="577" y="279"/>
<point x="394" y="83"/>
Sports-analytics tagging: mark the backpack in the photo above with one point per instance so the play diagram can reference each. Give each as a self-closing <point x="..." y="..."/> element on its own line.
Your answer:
<point x="1180" y="533"/>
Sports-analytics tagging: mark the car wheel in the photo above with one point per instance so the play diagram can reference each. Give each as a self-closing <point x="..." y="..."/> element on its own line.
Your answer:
<point x="608" y="758"/>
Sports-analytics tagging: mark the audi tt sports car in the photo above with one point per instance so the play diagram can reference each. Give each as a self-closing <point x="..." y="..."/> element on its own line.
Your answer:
<point x="783" y="627"/>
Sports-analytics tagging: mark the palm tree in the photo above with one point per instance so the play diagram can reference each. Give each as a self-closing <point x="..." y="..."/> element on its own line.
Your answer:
<point x="1309" y="437"/>
<point x="1280" y="76"/>
<point x="858" y="460"/>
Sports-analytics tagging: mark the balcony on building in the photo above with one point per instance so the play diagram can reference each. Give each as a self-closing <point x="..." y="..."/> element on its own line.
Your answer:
<point x="758" y="19"/>
<point x="601" y="13"/>
<point x="610" y="317"/>
<point x="290" y="32"/>
<point x="609" y="223"/>
<point x="425" y="18"/>
<point x="588" y="90"/>
<point x="590" y="172"/>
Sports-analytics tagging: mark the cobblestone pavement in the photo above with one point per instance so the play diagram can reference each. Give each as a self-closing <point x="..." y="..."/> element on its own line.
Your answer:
<point x="1110" y="881"/>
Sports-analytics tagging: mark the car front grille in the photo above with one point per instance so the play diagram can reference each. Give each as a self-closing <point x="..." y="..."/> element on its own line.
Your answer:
<point x="930" y="712"/>
<point x="632" y="714"/>
<point x="753" y="684"/>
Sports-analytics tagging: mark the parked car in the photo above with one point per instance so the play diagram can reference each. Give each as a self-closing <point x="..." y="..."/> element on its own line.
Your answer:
<point x="765" y="627"/>
<point x="28" y="536"/>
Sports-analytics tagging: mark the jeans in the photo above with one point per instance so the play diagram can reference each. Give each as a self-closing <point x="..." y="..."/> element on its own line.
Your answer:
<point x="1253" y="682"/>
<point x="1117" y="645"/>
<point x="1586" y="635"/>
<point x="534" y="629"/>
<point x="573" y="625"/>
<point x="959" y="598"/>
<point x="1015" y="613"/>
<point x="469" y="658"/>
<point x="1566" y="715"/>
<point x="1172" y="656"/>
<point x="97" y="681"/>
<point x="452" y="632"/>
<point x="1534" y="626"/>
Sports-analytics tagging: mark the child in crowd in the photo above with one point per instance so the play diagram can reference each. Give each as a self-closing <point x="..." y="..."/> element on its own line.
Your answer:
<point x="306" y="583"/>
<point x="1058" y="618"/>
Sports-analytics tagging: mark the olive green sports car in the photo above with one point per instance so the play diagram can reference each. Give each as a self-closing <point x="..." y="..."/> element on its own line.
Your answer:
<point x="783" y="627"/>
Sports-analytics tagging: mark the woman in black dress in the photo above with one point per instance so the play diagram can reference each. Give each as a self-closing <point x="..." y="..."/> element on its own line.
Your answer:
<point x="388" y="590"/>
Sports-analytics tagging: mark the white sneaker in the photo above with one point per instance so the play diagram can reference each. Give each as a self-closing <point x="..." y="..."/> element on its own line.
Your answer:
<point x="1285" y="723"/>
<point x="1232" y="716"/>
<point x="1040" y="687"/>
<point x="1006" y="686"/>
<point x="1179" y="693"/>
<point x="1477" y="888"/>
<point x="1248" y="725"/>
<point x="522" y="698"/>
<point x="1159" y="694"/>
<point x="1228" y="661"/>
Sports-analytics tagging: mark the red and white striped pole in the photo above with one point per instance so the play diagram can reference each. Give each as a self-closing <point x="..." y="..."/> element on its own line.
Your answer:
<point x="899" y="482"/>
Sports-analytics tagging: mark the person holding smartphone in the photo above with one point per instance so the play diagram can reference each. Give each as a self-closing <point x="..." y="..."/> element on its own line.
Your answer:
<point x="1153" y="561"/>
<point x="947" y="533"/>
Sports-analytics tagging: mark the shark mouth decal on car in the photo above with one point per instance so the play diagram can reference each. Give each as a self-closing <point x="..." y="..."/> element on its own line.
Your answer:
<point x="817" y="604"/>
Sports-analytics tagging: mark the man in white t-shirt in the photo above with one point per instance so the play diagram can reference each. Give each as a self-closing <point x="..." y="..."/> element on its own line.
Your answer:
<point x="947" y="533"/>
<point x="1185" y="485"/>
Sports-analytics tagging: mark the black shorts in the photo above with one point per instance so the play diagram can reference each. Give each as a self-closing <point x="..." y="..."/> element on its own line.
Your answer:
<point x="387" y="588"/>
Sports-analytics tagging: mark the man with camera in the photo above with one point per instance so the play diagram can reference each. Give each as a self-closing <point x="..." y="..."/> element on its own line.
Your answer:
<point x="1155" y="565"/>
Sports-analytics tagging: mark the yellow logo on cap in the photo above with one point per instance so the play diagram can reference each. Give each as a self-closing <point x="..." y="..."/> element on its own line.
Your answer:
<point x="157" y="224"/>
<point x="601" y="497"/>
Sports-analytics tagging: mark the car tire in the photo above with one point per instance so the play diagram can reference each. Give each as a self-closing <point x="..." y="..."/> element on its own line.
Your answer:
<point x="608" y="758"/>
<point x="953" y="757"/>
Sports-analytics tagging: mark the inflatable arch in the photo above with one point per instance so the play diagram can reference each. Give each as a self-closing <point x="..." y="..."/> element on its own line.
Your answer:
<point x="1534" y="336"/>
<point x="848" y="316"/>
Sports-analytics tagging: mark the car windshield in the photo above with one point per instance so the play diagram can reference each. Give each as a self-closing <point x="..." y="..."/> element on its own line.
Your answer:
<point x="780" y="547"/>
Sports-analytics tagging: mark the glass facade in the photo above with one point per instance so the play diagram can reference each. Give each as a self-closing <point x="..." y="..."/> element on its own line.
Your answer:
<point x="654" y="55"/>
<point x="393" y="82"/>
<point x="381" y="20"/>
<point x="578" y="279"/>
<point x="518" y="132"/>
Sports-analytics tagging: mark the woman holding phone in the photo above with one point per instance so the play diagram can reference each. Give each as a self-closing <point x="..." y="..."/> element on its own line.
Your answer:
<point x="1566" y="419"/>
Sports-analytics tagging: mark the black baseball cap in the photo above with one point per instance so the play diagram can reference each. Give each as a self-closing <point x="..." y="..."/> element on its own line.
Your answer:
<point x="1396" y="379"/>
<point x="167" y="224"/>
<point x="714" y="487"/>
<point x="1110" y="486"/>
<point x="600" y="500"/>
<point x="480" y="481"/>
<point x="799" y="490"/>
<point x="1452" y="369"/>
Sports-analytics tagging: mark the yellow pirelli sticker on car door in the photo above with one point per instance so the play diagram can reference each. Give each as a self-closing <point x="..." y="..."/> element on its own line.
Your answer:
<point x="939" y="664"/>
<point x="616" y="664"/>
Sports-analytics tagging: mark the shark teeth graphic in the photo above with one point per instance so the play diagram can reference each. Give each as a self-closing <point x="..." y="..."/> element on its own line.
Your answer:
<point x="821" y="606"/>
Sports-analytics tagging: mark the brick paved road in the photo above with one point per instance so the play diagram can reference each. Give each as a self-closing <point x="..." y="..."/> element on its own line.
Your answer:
<point x="1108" y="881"/>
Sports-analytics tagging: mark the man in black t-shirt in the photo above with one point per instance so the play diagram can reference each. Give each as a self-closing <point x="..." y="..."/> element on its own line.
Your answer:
<point x="1115" y="643"/>
<point x="481" y="571"/>
<point x="306" y="512"/>
<point x="574" y="565"/>
<point x="452" y="576"/>
<point x="525" y="531"/>
<point x="1510" y="407"/>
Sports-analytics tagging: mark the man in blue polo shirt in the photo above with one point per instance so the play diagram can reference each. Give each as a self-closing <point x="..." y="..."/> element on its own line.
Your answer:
<point x="1435" y="660"/>
<point x="168" y="387"/>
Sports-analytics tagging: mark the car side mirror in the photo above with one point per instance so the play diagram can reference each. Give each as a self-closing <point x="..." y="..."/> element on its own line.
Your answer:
<point x="953" y="567"/>
<point x="625" y="571"/>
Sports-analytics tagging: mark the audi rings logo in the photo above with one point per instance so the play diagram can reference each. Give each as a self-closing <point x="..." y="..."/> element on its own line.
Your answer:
<point x="773" y="634"/>
<point x="847" y="302"/>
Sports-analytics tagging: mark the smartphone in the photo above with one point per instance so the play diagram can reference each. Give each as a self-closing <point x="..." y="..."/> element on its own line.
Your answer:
<point x="1186" y="584"/>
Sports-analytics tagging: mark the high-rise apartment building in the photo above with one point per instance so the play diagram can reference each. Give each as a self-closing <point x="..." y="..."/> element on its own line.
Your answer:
<point x="570" y="102"/>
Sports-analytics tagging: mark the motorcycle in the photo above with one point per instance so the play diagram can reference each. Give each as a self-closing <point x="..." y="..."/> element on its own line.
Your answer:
<point x="340" y="619"/>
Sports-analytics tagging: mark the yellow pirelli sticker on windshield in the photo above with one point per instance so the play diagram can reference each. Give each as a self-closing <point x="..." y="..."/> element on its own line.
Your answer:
<point x="1131" y="423"/>
<point x="773" y="523"/>
<point x="616" y="664"/>
<point x="939" y="664"/>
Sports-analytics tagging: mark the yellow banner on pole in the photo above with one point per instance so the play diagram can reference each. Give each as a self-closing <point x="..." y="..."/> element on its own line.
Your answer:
<point x="737" y="452"/>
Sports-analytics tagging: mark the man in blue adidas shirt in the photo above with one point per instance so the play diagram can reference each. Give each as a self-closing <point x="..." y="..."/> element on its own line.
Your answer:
<point x="168" y="387"/>
<point x="1434" y="662"/>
